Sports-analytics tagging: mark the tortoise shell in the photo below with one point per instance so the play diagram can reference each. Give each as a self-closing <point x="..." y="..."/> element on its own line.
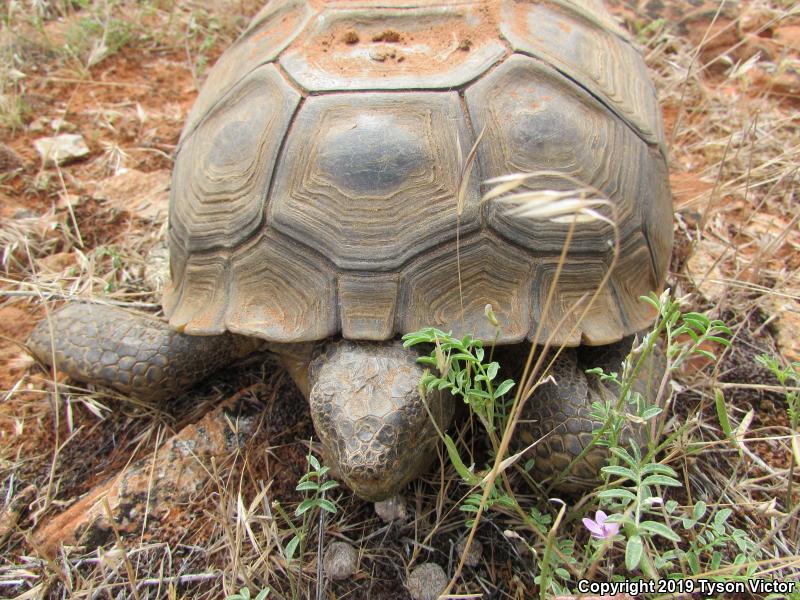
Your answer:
<point x="315" y="185"/>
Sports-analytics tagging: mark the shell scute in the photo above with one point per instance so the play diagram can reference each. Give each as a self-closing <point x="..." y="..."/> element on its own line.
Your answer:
<point x="584" y="308"/>
<point x="597" y="59"/>
<point x="281" y="292"/>
<point x="222" y="171"/>
<point x="536" y="122"/>
<point x="387" y="48"/>
<point x="368" y="304"/>
<point x="491" y="272"/>
<point x="371" y="180"/>
<point x="269" y="32"/>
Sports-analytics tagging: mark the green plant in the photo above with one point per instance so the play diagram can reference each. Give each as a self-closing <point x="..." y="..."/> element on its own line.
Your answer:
<point x="116" y="264"/>
<point x="684" y="335"/>
<point x="654" y="535"/>
<point x="465" y="371"/>
<point x="709" y="537"/>
<point x="244" y="594"/>
<point x="632" y="480"/>
<point x="314" y="485"/>
<point x="788" y="376"/>
<point x="96" y="38"/>
<point x="633" y="497"/>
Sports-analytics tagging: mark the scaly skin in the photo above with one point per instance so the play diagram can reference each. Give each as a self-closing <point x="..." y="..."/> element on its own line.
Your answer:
<point x="558" y="413"/>
<point x="369" y="415"/>
<point x="133" y="353"/>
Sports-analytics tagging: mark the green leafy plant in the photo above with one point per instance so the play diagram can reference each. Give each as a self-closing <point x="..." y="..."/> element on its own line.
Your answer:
<point x="657" y="537"/>
<point x="463" y="372"/>
<point x="684" y="335"/>
<point x="314" y="485"/>
<point x="244" y="594"/>
<point x="465" y="369"/>
<point x="710" y="537"/>
<point x="788" y="376"/>
<point x="633" y="478"/>
<point x="633" y="498"/>
<point x="97" y="37"/>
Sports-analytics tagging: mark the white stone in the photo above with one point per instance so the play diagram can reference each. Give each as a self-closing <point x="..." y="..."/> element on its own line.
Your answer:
<point x="61" y="149"/>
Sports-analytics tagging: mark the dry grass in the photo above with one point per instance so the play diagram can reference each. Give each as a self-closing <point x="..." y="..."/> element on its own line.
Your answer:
<point x="729" y="84"/>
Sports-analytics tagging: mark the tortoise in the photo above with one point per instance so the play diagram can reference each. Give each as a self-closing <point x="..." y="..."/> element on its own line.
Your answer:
<point x="317" y="210"/>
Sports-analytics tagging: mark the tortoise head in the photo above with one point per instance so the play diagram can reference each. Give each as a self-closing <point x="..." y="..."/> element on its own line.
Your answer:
<point x="367" y="411"/>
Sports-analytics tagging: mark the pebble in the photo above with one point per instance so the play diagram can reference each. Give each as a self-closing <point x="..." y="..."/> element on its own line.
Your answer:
<point x="340" y="561"/>
<point x="426" y="582"/>
<point x="61" y="149"/>
<point x="392" y="509"/>
<point x="474" y="554"/>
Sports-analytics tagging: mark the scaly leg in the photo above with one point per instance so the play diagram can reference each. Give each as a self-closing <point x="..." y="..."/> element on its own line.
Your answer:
<point x="131" y="352"/>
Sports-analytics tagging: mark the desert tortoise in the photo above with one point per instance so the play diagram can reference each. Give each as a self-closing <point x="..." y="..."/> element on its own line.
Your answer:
<point x="313" y="209"/>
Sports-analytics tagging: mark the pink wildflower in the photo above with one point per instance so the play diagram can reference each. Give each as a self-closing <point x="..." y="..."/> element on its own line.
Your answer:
<point x="599" y="528"/>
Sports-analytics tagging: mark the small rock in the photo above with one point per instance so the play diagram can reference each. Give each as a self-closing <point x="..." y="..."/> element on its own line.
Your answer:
<point x="392" y="509"/>
<point x="426" y="582"/>
<point x="61" y="149"/>
<point x="388" y="35"/>
<point x="9" y="160"/>
<point x="706" y="267"/>
<point x="474" y="554"/>
<point x="38" y="125"/>
<point x="340" y="561"/>
<point x="60" y="125"/>
<point x="381" y="55"/>
<point x="350" y="37"/>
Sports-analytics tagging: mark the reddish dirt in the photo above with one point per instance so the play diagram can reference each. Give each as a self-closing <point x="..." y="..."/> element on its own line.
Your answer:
<point x="16" y="322"/>
<point x="390" y="45"/>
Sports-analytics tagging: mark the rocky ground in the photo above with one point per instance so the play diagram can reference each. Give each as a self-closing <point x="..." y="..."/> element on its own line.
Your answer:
<point x="205" y="502"/>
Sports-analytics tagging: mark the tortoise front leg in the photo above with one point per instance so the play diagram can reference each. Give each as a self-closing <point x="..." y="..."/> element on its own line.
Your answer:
<point x="131" y="352"/>
<point x="558" y="414"/>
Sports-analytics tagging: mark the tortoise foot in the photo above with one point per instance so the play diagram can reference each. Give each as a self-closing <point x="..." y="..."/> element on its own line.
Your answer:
<point x="558" y="414"/>
<point x="131" y="352"/>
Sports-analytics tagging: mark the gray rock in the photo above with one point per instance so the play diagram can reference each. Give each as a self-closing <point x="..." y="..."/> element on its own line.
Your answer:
<point x="426" y="582"/>
<point x="474" y="553"/>
<point x="61" y="149"/>
<point x="340" y="561"/>
<point x="392" y="509"/>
